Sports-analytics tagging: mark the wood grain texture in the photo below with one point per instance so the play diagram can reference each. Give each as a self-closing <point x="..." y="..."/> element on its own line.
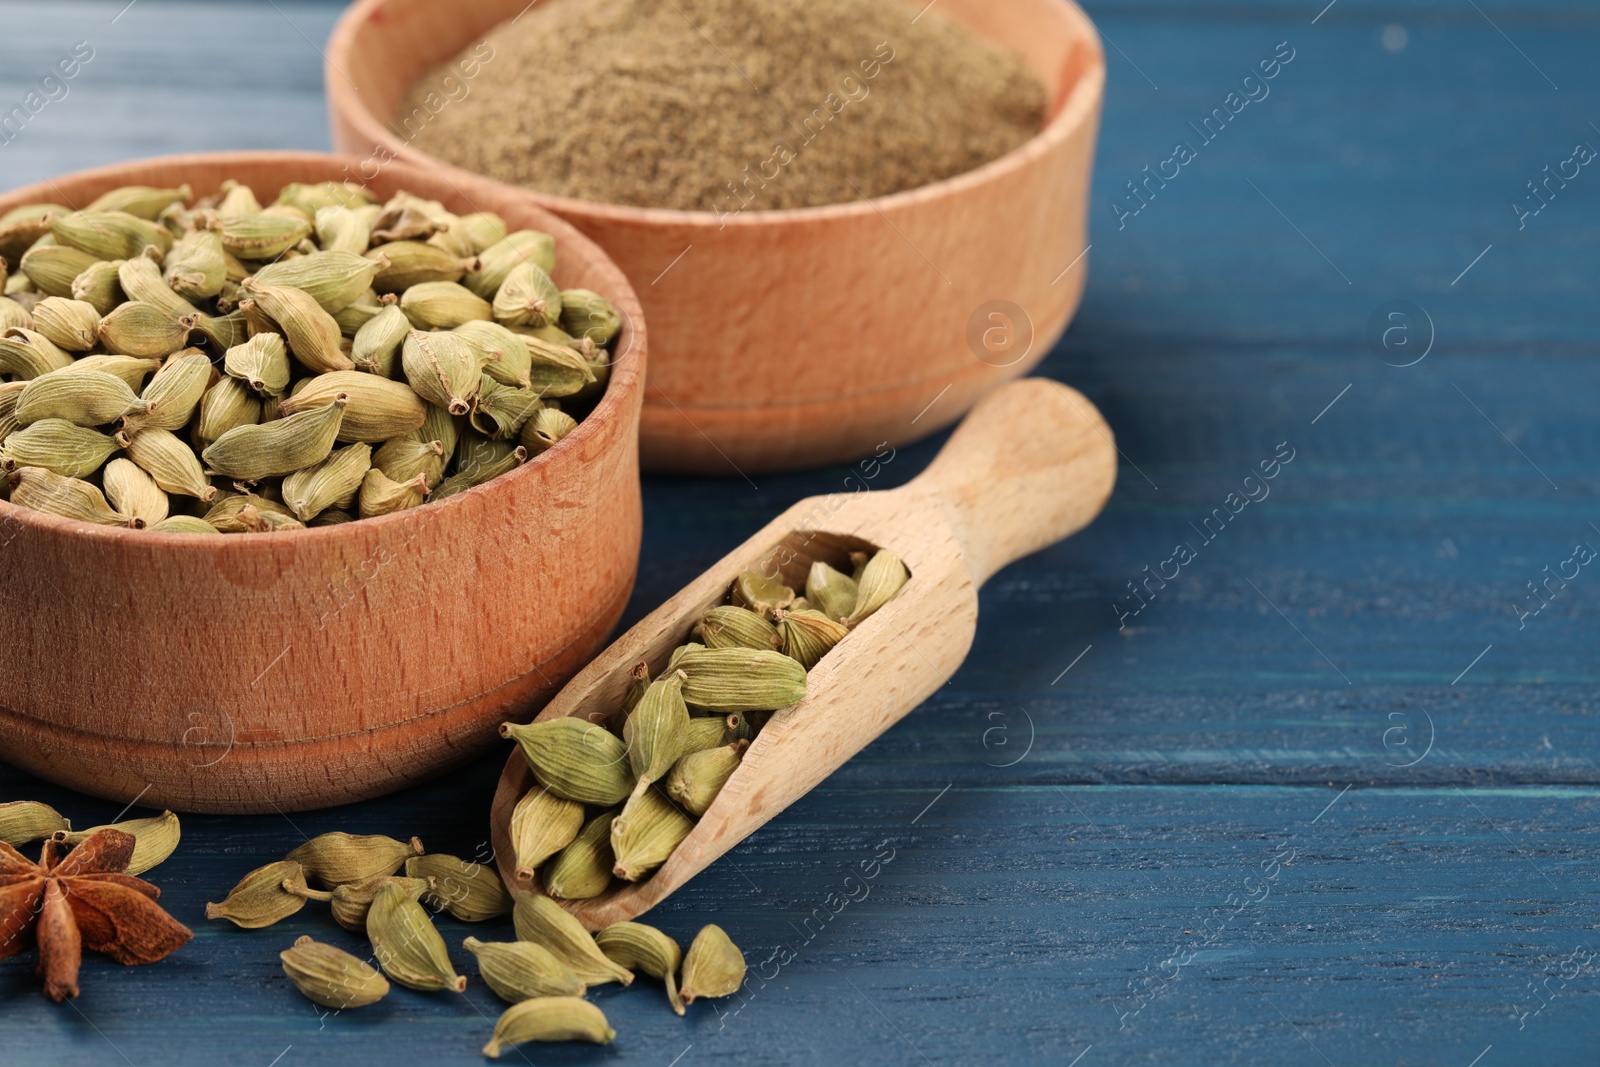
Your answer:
<point x="1032" y="464"/>
<point x="892" y="292"/>
<point x="297" y="670"/>
<point x="1024" y="910"/>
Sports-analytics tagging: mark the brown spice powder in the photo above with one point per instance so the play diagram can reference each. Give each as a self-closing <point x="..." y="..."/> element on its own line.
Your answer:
<point x="728" y="105"/>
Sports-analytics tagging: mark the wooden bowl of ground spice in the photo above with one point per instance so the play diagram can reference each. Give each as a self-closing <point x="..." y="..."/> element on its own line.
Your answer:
<point x="847" y="220"/>
<point x="304" y="668"/>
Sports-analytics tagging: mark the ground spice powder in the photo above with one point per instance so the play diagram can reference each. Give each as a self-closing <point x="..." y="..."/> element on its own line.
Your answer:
<point x="727" y="105"/>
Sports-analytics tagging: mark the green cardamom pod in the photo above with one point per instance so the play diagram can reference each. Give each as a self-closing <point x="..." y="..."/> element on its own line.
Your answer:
<point x="376" y="348"/>
<point x="542" y="824"/>
<point x="141" y="201"/>
<point x="881" y="579"/>
<point x="281" y="447"/>
<point x="13" y="316"/>
<point x="735" y="627"/>
<point x="713" y="731"/>
<point x="169" y="461"/>
<point x="443" y="368"/>
<point x="141" y="279"/>
<point x="134" y="493"/>
<point x="29" y="354"/>
<point x="335" y="280"/>
<point x="546" y="429"/>
<point x="57" y="445"/>
<point x="833" y="593"/>
<point x="582" y="870"/>
<point x="47" y="491"/>
<point x="646" y="833"/>
<point x="411" y="263"/>
<point x="761" y="594"/>
<point x="10" y="394"/>
<point x="379" y="410"/>
<point x="262" y="362"/>
<point x="443" y="306"/>
<point x="173" y="395"/>
<point x="314" y="196"/>
<point x="713" y="967"/>
<point x="350" y="904"/>
<point x="645" y="950"/>
<point x="737" y="679"/>
<point x="315" y="489"/>
<point x="520" y="970"/>
<point x="556" y="370"/>
<point x="498" y="260"/>
<point x="237" y="200"/>
<point x="472" y="892"/>
<point x="260" y="898"/>
<point x="528" y="297"/>
<point x="472" y="475"/>
<point x="110" y="234"/>
<point x="405" y="459"/>
<point x="196" y="268"/>
<point x="339" y="858"/>
<point x="71" y="325"/>
<point x="140" y="329"/>
<point x="699" y="776"/>
<point x="807" y="635"/>
<point x="343" y="229"/>
<point x="228" y="403"/>
<point x="544" y="922"/>
<point x="260" y="235"/>
<point x="382" y="495"/>
<point x="408" y="947"/>
<point x="481" y="230"/>
<point x="131" y="370"/>
<point x="184" y="524"/>
<point x="679" y="652"/>
<point x="501" y="411"/>
<point x="99" y="286"/>
<point x="314" y="336"/>
<point x="248" y="513"/>
<point x="656" y="731"/>
<point x="575" y="759"/>
<point x="22" y="821"/>
<point x="53" y="268"/>
<point x="585" y="313"/>
<point x="155" y="839"/>
<point x="332" y="977"/>
<point x="549" y="1019"/>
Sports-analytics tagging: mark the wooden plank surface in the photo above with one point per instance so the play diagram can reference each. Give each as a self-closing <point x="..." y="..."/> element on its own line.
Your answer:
<point x="1324" y="799"/>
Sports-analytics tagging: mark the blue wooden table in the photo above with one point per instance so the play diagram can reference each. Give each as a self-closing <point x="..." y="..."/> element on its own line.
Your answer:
<point x="1325" y="793"/>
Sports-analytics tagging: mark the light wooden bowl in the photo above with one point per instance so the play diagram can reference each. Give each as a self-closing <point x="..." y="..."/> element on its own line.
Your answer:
<point x="301" y="669"/>
<point x="787" y="339"/>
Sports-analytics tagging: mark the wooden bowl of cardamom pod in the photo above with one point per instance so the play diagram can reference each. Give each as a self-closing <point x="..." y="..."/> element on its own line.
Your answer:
<point x="308" y="667"/>
<point x="790" y="337"/>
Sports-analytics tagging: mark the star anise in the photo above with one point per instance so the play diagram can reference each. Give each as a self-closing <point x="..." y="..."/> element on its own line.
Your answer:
<point x="82" y="900"/>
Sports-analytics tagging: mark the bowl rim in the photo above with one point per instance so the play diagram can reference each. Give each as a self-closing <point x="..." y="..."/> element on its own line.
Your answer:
<point x="628" y="372"/>
<point x="1079" y="106"/>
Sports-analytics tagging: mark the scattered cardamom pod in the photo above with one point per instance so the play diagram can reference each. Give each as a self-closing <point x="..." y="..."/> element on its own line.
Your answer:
<point x="331" y="976"/>
<point x="339" y="858"/>
<point x="644" y="950"/>
<point x="155" y="839"/>
<point x="472" y="892"/>
<point x="549" y="1019"/>
<point x="23" y="821"/>
<point x="713" y="967"/>
<point x="520" y="970"/>
<point x="408" y="947"/>
<point x="261" y="899"/>
<point x="349" y="904"/>
<point x="544" y="922"/>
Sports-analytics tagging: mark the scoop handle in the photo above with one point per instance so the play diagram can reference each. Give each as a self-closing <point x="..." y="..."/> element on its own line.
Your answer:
<point x="1032" y="463"/>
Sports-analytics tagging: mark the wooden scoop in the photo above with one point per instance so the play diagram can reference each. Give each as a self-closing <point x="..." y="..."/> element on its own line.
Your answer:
<point x="1031" y="464"/>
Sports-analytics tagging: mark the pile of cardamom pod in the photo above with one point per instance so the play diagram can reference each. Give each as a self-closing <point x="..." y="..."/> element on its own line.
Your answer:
<point x="543" y="975"/>
<point x="616" y="804"/>
<point x="228" y="367"/>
